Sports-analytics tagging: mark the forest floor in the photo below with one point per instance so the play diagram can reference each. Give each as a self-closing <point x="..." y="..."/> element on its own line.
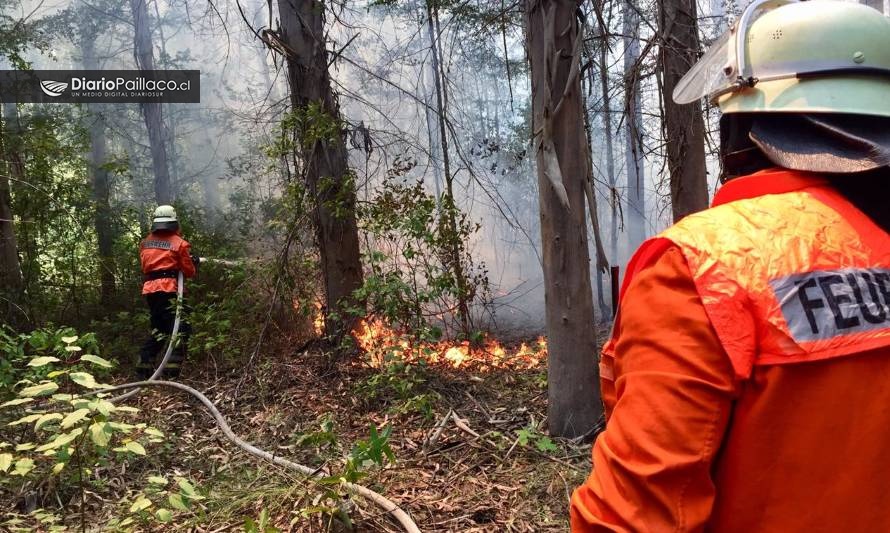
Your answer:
<point x="470" y="447"/>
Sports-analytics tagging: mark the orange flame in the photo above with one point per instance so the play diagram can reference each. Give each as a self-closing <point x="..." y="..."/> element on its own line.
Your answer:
<point x="318" y="319"/>
<point x="383" y="343"/>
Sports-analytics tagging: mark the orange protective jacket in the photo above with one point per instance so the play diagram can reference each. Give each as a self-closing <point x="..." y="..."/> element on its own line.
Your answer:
<point x="747" y="380"/>
<point x="165" y="250"/>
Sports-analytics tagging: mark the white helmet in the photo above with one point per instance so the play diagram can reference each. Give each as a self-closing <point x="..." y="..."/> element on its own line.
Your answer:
<point x="164" y="218"/>
<point x="807" y="82"/>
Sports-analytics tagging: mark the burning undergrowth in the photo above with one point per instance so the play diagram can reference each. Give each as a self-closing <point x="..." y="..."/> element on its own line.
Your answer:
<point x="383" y="343"/>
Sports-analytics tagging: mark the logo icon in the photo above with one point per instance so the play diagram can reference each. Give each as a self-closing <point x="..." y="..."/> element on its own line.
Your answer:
<point x="53" y="88"/>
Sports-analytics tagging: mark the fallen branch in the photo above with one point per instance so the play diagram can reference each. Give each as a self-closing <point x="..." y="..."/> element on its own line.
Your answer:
<point x="437" y="431"/>
<point x="381" y="501"/>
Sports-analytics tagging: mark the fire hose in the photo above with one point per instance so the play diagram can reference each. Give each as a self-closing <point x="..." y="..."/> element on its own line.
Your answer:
<point x="381" y="501"/>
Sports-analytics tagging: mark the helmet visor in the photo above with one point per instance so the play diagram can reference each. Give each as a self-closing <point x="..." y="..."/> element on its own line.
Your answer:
<point x="715" y="71"/>
<point x="723" y="68"/>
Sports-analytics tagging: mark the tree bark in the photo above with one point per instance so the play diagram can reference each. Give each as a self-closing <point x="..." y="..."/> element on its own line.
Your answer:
<point x="684" y="128"/>
<point x="602" y="261"/>
<point x="553" y="47"/>
<point x="152" y="112"/>
<point x="636" y="177"/>
<point x="325" y="161"/>
<point x="11" y="280"/>
<point x="610" y="152"/>
<point x="100" y="179"/>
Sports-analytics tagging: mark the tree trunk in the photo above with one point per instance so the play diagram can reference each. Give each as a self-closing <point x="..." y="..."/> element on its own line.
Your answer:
<point x="325" y="161"/>
<point x="151" y="112"/>
<point x="553" y="47"/>
<point x="684" y="128"/>
<point x="602" y="262"/>
<point x="11" y="280"/>
<point x="610" y="152"/>
<point x="636" y="177"/>
<point x="169" y="125"/>
<point x="448" y="207"/>
<point x="100" y="179"/>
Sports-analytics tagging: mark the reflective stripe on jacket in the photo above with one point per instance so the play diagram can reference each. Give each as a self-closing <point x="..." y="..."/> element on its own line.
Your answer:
<point x="746" y="380"/>
<point x="164" y="251"/>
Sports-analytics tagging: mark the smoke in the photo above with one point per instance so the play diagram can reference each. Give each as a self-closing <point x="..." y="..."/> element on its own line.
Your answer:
<point x="386" y="84"/>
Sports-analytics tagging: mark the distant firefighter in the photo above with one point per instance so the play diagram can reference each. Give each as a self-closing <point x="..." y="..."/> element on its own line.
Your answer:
<point x="747" y="381"/>
<point x="164" y="254"/>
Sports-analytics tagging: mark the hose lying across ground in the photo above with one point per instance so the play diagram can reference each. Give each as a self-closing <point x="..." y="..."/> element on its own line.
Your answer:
<point x="378" y="499"/>
<point x="381" y="501"/>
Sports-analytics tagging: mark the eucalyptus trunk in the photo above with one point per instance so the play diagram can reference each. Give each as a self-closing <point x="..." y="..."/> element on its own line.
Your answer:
<point x="553" y="44"/>
<point x="683" y="124"/>
<point x="324" y="161"/>
<point x="633" y="157"/>
<point x="100" y="179"/>
<point x="152" y="112"/>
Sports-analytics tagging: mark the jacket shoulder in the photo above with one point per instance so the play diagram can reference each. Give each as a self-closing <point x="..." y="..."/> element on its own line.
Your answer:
<point x="755" y="230"/>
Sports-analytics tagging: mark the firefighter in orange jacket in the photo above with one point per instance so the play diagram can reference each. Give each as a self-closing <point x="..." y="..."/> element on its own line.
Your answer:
<point x="164" y="254"/>
<point x="747" y="381"/>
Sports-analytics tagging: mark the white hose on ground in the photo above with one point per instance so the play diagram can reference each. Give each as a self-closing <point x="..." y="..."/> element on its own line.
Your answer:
<point x="381" y="501"/>
<point x="171" y="342"/>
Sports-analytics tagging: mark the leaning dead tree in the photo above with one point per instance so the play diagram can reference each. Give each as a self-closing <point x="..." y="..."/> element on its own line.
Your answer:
<point x="554" y="49"/>
<point x="323" y="158"/>
<point x="683" y="125"/>
<point x="151" y="111"/>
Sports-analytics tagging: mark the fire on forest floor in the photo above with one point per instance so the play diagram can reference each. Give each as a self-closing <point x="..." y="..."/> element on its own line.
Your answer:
<point x="478" y="459"/>
<point x="381" y="343"/>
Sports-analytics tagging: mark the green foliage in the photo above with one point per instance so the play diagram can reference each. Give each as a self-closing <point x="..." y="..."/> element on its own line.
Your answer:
<point x="27" y="356"/>
<point x="530" y="436"/>
<point x="66" y="430"/>
<point x="401" y="386"/>
<point x="302" y="128"/>
<point x="260" y="525"/>
<point x="420" y="266"/>
<point x="322" y="438"/>
<point x="366" y="453"/>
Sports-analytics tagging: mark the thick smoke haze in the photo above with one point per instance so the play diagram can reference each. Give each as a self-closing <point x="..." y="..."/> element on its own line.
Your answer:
<point x="383" y="75"/>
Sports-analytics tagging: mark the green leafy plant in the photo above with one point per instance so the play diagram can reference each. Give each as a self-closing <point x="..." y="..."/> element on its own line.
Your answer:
<point x="421" y="271"/>
<point x="402" y="386"/>
<point x="63" y="428"/>
<point x="260" y="525"/>
<point x="530" y="436"/>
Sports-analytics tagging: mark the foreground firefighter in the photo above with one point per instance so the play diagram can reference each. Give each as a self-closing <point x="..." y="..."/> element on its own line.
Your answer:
<point x="747" y="382"/>
<point x="164" y="254"/>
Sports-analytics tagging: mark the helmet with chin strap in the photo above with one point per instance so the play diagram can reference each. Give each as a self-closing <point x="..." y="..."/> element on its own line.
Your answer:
<point x="809" y="80"/>
<point x="164" y="219"/>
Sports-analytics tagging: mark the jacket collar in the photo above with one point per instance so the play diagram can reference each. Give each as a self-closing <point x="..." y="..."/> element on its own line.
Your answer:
<point x="770" y="181"/>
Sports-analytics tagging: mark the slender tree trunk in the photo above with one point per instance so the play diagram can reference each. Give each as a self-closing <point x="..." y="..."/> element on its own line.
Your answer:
<point x="602" y="262"/>
<point x="325" y="161"/>
<point x="448" y="206"/>
<point x="683" y="124"/>
<point x="100" y="178"/>
<point x="553" y="44"/>
<point x="614" y="199"/>
<point x="152" y="112"/>
<point x="636" y="177"/>
<point x="11" y="280"/>
<point x="169" y="125"/>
